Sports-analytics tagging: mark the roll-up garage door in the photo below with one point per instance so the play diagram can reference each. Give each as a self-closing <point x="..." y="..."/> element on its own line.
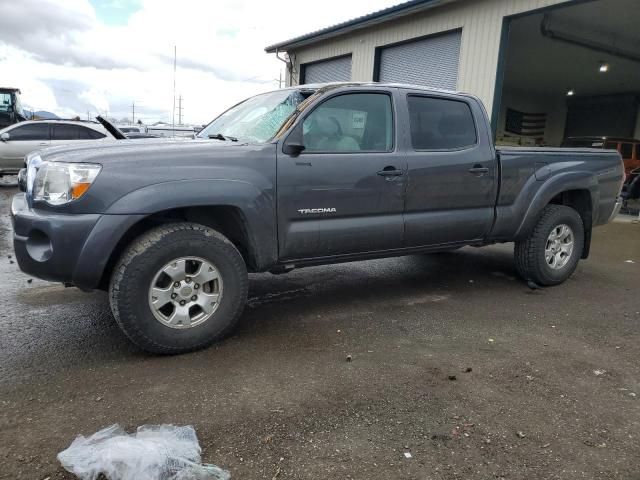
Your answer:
<point x="332" y="70"/>
<point x="432" y="62"/>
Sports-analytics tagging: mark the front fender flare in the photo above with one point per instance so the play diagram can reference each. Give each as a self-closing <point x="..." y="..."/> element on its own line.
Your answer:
<point x="257" y="207"/>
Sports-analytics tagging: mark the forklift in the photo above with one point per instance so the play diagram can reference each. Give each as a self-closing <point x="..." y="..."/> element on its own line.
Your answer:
<point x="10" y="107"/>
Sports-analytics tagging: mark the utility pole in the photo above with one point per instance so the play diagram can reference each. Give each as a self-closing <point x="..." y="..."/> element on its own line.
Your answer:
<point x="180" y="110"/>
<point x="133" y="112"/>
<point x="88" y="116"/>
<point x="173" y="112"/>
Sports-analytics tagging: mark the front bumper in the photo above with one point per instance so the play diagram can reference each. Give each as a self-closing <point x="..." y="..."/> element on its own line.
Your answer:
<point x="616" y="209"/>
<point x="9" y="171"/>
<point x="73" y="249"/>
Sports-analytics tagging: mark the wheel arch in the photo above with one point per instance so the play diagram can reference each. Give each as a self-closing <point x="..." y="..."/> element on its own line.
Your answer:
<point x="230" y="220"/>
<point x="578" y="190"/>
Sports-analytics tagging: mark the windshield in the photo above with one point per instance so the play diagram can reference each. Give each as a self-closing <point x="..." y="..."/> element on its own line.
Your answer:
<point x="257" y="119"/>
<point x="6" y="102"/>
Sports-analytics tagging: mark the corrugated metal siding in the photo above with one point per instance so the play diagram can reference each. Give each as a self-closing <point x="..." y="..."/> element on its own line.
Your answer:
<point x="481" y="23"/>
<point x="432" y="62"/>
<point x="333" y="70"/>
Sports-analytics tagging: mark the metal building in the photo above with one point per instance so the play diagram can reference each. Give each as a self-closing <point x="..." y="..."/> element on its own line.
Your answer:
<point x="545" y="69"/>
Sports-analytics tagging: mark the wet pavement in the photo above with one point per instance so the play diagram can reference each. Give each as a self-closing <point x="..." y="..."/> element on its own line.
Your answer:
<point x="453" y="360"/>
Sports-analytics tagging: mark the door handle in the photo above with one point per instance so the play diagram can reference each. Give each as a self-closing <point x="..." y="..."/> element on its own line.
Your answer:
<point x="390" y="172"/>
<point x="44" y="143"/>
<point x="478" y="170"/>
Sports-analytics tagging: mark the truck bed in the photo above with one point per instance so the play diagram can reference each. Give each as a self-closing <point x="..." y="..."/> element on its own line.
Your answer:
<point x="529" y="176"/>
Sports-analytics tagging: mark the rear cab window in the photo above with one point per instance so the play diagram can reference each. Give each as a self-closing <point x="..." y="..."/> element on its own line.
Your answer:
<point x="440" y="123"/>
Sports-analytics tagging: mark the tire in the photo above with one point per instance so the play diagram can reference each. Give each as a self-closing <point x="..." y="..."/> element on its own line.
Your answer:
<point x="530" y="254"/>
<point x="166" y="248"/>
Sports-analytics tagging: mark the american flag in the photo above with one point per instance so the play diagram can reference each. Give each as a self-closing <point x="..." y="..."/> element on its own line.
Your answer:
<point x="526" y="124"/>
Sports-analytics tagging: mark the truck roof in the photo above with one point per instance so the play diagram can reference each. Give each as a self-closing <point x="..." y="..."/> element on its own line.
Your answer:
<point x="317" y="86"/>
<point x="10" y="90"/>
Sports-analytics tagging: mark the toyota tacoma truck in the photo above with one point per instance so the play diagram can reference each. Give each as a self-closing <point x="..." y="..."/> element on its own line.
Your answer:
<point x="309" y="175"/>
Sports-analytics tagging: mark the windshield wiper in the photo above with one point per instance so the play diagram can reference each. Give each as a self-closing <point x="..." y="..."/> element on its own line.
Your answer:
<point x="219" y="136"/>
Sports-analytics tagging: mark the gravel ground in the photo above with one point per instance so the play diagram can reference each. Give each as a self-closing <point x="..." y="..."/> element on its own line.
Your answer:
<point x="453" y="360"/>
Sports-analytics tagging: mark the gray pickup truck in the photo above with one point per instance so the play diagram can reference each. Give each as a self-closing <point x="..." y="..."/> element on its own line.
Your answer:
<point x="309" y="175"/>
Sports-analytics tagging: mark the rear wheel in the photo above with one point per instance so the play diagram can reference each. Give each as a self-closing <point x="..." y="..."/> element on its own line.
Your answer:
<point x="551" y="253"/>
<point x="178" y="287"/>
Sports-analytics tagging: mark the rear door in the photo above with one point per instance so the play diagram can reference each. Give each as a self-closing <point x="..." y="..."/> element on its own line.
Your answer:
<point x="452" y="170"/>
<point x="344" y="193"/>
<point x="23" y="139"/>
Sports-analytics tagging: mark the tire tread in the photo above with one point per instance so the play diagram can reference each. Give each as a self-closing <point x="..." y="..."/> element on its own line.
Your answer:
<point x="124" y="316"/>
<point x="527" y="252"/>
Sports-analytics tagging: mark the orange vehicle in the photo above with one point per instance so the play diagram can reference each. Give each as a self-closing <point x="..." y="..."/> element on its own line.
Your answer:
<point x="629" y="149"/>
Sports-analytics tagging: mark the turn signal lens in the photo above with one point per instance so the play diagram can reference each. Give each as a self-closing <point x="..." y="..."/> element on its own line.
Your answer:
<point x="79" y="189"/>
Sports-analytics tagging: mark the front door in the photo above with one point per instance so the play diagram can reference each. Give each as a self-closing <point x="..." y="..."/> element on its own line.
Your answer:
<point x="23" y="139"/>
<point x="452" y="177"/>
<point x="344" y="193"/>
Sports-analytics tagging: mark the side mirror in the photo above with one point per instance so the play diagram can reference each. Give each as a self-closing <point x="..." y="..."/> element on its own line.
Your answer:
<point x="5" y="137"/>
<point x="294" y="145"/>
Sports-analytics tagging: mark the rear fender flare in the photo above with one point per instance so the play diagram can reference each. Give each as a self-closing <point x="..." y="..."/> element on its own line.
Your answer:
<point x="554" y="186"/>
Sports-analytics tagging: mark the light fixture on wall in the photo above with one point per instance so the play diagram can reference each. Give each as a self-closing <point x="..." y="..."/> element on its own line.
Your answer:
<point x="570" y="92"/>
<point x="604" y="67"/>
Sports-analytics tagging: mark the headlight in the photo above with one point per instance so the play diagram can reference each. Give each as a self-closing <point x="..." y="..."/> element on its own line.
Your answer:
<point x="33" y="163"/>
<point x="57" y="183"/>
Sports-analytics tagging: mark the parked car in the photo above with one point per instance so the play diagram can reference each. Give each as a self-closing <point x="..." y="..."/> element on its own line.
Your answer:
<point x="166" y="130"/>
<point x="301" y="176"/>
<point x="135" y="135"/>
<point x="132" y="129"/>
<point x="629" y="149"/>
<point x="17" y="140"/>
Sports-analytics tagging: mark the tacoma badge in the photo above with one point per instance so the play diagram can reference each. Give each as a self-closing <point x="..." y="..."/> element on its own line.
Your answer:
<point x="316" y="210"/>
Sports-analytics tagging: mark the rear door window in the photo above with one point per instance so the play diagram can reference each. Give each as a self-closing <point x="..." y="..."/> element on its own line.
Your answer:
<point x="33" y="131"/>
<point x="626" y="150"/>
<point x="440" y="124"/>
<point x="64" y="132"/>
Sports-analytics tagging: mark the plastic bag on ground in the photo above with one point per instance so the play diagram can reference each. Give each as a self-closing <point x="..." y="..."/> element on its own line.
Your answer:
<point x="153" y="452"/>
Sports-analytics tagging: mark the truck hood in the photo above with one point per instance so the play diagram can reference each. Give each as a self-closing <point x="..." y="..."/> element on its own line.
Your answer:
<point x="140" y="150"/>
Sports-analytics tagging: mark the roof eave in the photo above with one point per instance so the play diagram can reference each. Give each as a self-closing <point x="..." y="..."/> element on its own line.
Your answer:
<point x="349" y="26"/>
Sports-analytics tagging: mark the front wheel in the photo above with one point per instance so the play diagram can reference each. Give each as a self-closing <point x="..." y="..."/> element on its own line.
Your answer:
<point x="178" y="287"/>
<point x="551" y="253"/>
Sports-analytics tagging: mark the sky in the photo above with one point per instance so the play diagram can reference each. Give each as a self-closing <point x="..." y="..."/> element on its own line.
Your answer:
<point x="84" y="57"/>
